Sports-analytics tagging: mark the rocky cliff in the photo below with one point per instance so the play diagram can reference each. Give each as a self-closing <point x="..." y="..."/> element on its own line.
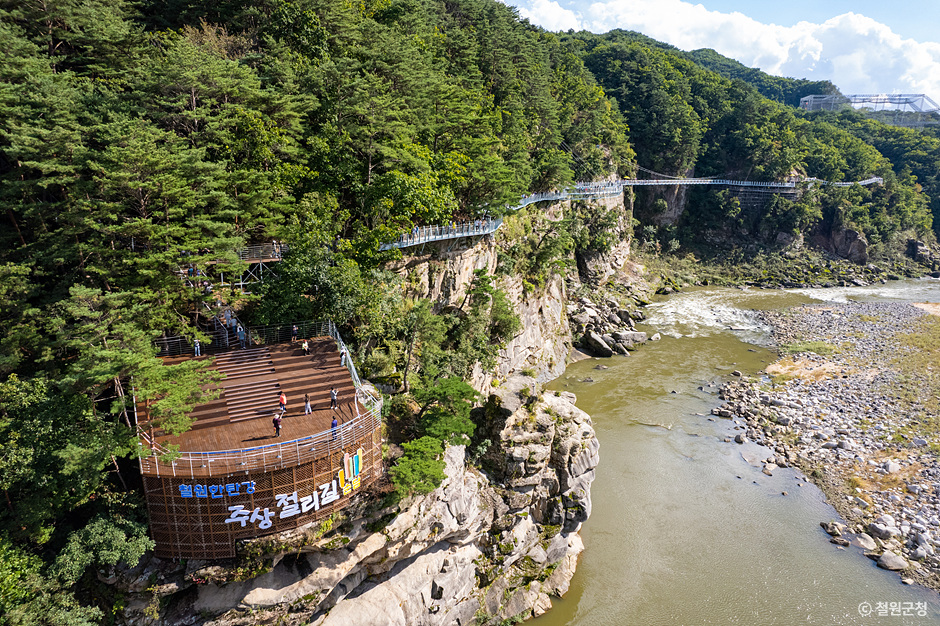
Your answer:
<point x="485" y="546"/>
<point x="496" y="540"/>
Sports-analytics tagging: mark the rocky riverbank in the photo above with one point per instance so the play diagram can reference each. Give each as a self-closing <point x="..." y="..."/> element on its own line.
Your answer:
<point x="845" y="418"/>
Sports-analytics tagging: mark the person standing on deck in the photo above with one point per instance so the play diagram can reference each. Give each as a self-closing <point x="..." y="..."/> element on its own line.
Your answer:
<point x="306" y="347"/>
<point x="282" y="401"/>
<point x="333" y="427"/>
<point x="277" y="425"/>
<point x="333" y="396"/>
<point x="241" y="335"/>
<point x="307" y="409"/>
<point x="197" y="349"/>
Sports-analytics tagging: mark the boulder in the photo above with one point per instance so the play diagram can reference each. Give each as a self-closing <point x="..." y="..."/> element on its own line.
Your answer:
<point x="891" y="561"/>
<point x="850" y="244"/>
<point x="630" y="336"/>
<point x="596" y="343"/>
<point x="864" y="541"/>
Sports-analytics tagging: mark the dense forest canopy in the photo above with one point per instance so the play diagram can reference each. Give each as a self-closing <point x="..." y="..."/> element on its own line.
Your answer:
<point x="139" y="138"/>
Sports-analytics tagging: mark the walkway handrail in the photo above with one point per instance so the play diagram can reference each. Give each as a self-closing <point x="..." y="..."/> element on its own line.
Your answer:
<point x="425" y="234"/>
<point x="266" y="251"/>
<point x="610" y="189"/>
<point x="293" y="451"/>
<point x="269" y="456"/>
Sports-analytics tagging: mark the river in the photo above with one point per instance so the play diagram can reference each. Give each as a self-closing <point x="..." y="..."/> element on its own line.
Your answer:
<point x="683" y="529"/>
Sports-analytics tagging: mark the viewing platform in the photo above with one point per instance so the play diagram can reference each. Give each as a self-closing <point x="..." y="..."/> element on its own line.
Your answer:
<point x="231" y="476"/>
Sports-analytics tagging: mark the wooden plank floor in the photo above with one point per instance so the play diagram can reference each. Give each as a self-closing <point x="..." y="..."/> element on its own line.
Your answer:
<point x="241" y="416"/>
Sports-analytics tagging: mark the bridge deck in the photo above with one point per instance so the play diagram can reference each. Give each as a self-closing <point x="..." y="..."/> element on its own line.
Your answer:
<point x="240" y="419"/>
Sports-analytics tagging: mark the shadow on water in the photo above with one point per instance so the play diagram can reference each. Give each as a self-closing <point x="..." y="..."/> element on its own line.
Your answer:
<point x="684" y="529"/>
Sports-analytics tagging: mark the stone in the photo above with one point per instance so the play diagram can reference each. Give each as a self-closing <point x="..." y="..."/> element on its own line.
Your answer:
<point x="740" y="438"/>
<point x="833" y="528"/>
<point x="864" y="541"/>
<point x="893" y="562"/>
<point x="881" y="531"/>
<point x="891" y="466"/>
<point x="630" y="336"/>
<point x="596" y="343"/>
<point x="656" y="337"/>
<point x="850" y="244"/>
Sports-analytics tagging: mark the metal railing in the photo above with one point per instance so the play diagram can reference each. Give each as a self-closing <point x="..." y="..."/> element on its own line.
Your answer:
<point x="262" y="458"/>
<point x="425" y="234"/>
<point x="266" y="251"/>
<point x="220" y="339"/>
<point x="277" y="454"/>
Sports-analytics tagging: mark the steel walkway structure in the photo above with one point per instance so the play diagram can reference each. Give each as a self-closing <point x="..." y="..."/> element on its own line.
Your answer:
<point x="613" y="189"/>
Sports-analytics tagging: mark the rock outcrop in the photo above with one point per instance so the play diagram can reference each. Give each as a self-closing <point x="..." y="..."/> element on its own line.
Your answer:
<point x="486" y="545"/>
<point x="850" y="244"/>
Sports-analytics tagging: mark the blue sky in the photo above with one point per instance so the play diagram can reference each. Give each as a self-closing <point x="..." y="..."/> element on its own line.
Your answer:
<point x="862" y="46"/>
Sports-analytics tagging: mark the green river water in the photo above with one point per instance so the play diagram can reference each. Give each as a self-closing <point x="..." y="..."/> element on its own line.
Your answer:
<point x="683" y="529"/>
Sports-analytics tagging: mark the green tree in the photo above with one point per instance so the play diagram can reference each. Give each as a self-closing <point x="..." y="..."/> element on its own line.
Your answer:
<point x="420" y="469"/>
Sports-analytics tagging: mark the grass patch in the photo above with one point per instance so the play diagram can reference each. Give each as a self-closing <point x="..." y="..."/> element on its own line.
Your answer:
<point x="817" y="347"/>
<point x="919" y="364"/>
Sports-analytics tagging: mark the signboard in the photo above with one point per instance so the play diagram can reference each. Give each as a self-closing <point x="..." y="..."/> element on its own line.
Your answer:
<point x="203" y="517"/>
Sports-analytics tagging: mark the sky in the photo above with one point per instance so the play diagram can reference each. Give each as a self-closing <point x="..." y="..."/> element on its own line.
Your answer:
<point x="864" y="47"/>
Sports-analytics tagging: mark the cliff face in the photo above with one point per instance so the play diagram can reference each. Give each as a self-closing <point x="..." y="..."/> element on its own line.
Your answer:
<point x="485" y="546"/>
<point x="443" y="272"/>
<point x="481" y="546"/>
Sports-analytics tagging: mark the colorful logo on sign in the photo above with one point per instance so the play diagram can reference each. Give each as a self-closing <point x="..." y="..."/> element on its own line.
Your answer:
<point x="349" y="476"/>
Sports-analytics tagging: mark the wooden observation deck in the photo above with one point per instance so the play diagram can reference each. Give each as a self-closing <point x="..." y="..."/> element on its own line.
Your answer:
<point x="231" y="468"/>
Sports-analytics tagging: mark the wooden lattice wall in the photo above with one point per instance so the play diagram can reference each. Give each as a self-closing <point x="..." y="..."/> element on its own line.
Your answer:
<point x="188" y="515"/>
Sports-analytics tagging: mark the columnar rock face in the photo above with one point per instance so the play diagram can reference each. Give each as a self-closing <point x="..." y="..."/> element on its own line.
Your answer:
<point x="596" y="268"/>
<point x="483" y="546"/>
<point x="544" y="342"/>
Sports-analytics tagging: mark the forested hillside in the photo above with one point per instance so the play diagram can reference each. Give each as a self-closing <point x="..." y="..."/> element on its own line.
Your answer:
<point x="140" y="138"/>
<point x="685" y="119"/>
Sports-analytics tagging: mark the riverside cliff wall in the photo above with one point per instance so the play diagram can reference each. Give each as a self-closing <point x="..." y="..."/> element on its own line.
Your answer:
<point x="489" y="544"/>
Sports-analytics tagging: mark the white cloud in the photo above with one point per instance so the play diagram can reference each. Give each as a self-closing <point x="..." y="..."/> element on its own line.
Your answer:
<point x="550" y="15"/>
<point x="855" y="52"/>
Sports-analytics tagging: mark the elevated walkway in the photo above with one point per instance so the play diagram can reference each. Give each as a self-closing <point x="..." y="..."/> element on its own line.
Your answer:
<point x="591" y="191"/>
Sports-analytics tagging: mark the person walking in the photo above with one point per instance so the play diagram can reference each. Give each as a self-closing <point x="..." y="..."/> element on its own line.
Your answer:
<point x="307" y="409"/>
<point x="282" y="402"/>
<point x="342" y="357"/>
<point x="277" y="425"/>
<point x="197" y="349"/>
<point x="241" y="335"/>
<point x="333" y="427"/>
<point x="333" y="396"/>
<point x="293" y="333"/>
